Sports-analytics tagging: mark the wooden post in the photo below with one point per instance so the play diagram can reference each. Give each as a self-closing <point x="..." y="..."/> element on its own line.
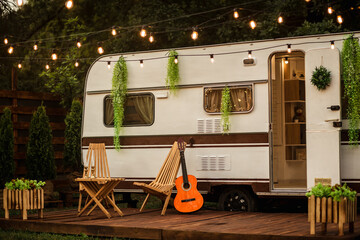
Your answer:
<point x="323" y="215"/>
<point x="312" y="215"/>
<point x="329" y="210"/>
<point x="24" y="210"/>
<point x="5" y="202"/>
<point x="341" y="216"/>
<point x="318" y="210"/>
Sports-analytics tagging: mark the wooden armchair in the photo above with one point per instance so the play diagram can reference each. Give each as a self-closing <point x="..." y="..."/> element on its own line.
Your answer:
<point x="165" y="181"/>
<point x="96" y="166"/>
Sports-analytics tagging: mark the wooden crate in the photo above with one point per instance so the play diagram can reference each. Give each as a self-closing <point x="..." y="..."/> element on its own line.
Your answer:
<point x="23" y="200"/>
<point x="327" y="210"/>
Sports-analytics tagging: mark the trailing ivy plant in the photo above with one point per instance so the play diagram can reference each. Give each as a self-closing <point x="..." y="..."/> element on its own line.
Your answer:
<point x="7" y="164"/>
<point x="172" y="77"/>
<point x="225" y="109"/>
<point x="118" y="95"/>
<point x="350" y="57"/>
<point x="321" y="78"/>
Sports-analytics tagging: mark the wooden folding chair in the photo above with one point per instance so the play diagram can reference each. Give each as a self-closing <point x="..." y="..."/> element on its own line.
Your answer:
<point x="165" y="181"/>
<point x="96" y="166"/>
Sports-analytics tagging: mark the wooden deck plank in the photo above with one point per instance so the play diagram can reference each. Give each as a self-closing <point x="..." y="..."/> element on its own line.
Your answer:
<point x="204" y="224"/>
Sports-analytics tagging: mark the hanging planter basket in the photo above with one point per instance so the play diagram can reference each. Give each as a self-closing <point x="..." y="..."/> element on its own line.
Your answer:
<point x="321" y="78"/>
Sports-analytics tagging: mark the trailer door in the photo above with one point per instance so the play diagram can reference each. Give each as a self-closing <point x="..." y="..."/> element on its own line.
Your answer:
<point x="322" y="136"/>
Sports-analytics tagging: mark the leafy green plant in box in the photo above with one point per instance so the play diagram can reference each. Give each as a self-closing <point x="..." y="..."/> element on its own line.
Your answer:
<point x="319" y="191"/>
<point x="344" y="191"/>
<point x="24" y="184"/>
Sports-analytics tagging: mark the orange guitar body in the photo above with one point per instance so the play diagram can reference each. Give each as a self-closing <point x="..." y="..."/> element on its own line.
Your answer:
<point x="187" y="199"/>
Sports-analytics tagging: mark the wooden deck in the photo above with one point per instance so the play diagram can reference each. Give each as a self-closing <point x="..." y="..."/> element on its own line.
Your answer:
<point x="204" y="224"/>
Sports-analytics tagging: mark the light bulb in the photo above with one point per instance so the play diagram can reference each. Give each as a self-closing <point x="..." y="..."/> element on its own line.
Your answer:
<point x="141" y="63"/>
<point x="113" y="31"/>
<point x="212" y="60"/>
<point x="289" y="48"/>
<point x="176" y="59"/>
<point x="54" y="56"/>
<point x="236" y="14"/>
<point x="307" y="0"/>
<point x="35" y="47"/>
<point x="332" y="44"/>
<point x="143" y="32"/>
<point x="249" y="54"/>
<point x="47" y="66"/>
<point x="100" y="49"/>
<point x="194" y="34"/>
<point x="330" y="10"/>
<point x="20" y="2"/>
<point x="76" y="63"/>
<point x="252" y="24"/>
<point x="151" y="38"/>
<point x="109" y="65"/>
<point x="11" y="49"/>
<point x="286" y="60"/>
<point x="19" y="66"/>
<point x="69" y="4"/>
<point x="6" y="41"/>
<point x="339" y="19"/>
<point x="280" y="19"/>
<point x="78" y="44"/>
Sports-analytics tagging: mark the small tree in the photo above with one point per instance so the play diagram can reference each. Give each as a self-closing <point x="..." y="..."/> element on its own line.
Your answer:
<point x="72" y="149"/>
<point x="40" y="161"/>
<point x="7" y="164"/>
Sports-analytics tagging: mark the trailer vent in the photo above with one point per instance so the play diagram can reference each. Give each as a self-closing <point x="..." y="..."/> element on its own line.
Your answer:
<point x="209" y="125"/>
<point x="214" y="163"/>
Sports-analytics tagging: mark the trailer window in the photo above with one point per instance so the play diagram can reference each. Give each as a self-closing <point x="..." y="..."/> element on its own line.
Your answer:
<point x="138" y="111"/>
<point x="241" y="99"/>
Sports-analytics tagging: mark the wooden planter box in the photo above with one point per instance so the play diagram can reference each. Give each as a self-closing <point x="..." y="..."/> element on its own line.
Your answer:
<point x="327" y="210"/>
<point x="23" y="200"/>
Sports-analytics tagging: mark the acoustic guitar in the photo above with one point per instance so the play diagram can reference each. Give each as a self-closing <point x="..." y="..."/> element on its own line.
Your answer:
<point x="188" y="199"/>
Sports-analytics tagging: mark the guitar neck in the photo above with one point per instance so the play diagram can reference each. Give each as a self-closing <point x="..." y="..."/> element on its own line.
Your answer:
<point x="183" y="167"/>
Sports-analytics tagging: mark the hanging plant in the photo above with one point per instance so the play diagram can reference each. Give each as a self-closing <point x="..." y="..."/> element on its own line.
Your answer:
<point x="350" y="57"/>
<point x="172" y="77"/>
<point x="118" y="95"/>
<point x="321" y="78"/>
<point x="225" y="109"/>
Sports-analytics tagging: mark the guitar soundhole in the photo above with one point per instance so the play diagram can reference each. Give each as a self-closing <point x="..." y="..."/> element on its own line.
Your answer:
<point x="186" y="186"/>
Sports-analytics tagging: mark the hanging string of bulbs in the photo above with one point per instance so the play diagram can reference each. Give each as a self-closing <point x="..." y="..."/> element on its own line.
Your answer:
<point x="143" y="33"/>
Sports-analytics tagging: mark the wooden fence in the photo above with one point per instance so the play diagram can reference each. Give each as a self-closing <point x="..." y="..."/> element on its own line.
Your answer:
<point x="22" y="105"/>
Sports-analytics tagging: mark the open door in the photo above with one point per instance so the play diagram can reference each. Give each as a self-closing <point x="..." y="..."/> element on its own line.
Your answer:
<point x="322" y="132"/>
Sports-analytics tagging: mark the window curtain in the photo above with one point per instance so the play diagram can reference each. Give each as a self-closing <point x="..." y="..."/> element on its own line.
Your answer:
<point x="241" y="99"/>
<point x="144" y="107"/>
<point x="213" y="100"/>
<point x="109" y="112"/>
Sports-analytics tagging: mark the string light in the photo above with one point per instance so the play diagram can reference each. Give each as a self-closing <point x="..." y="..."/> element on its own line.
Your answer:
<point x="141" y="63"/>
<point x="54" y="55"/>
<point x="212" y="60"/>
<point x="35" y="47"/>
<point x="249" y="54"/>
<point x="151" y="38"/>
<point x="194" y="34"/>
<point x="19" y="65"/>
<point x="100" y="49"/>
<point x="307" y="0"/>
<point x="280" y="19"/>
<point x="143" y="32"/>
<point x="20" y="2"/>
<point x="330" y="10"/>
<point x="76" y="63"/>
<point x="252" y="24"/>
<point x="69" y="4"/>
<point x="339" y="19"/>
<point x="113" y="31"/>
<point x="78" y="43"/>
<point x="289" y="48"/>
<point x="236" y="14"/>
<point x="176" y="59"/>
<point x="6" y="41"/>
<point x="109" y="65"/>
<point x="286" y="60"/>
<point x="47" y="66"/>
<point x="332" y="44"/>
<point x="11" y="49"/>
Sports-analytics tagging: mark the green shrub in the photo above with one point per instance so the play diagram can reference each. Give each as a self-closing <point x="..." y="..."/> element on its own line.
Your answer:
<point x="7" y="164"/>
<point x="40" y="161"/>
<point x="72" y="148"/>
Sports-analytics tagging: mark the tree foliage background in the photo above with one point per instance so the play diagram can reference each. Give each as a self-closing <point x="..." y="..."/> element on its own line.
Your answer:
<point x="45" y="19"/>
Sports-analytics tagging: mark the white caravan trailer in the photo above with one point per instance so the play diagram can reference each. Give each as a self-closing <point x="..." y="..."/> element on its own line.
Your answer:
<point x="284" y="134"/>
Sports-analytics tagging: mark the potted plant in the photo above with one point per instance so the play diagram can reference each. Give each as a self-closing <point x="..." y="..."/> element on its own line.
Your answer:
<point x="23" y="194"/>
<point x="328" y="204"/>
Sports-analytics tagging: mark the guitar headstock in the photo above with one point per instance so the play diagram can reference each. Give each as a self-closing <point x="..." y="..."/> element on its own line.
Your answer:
<point x="181" y="145"/>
